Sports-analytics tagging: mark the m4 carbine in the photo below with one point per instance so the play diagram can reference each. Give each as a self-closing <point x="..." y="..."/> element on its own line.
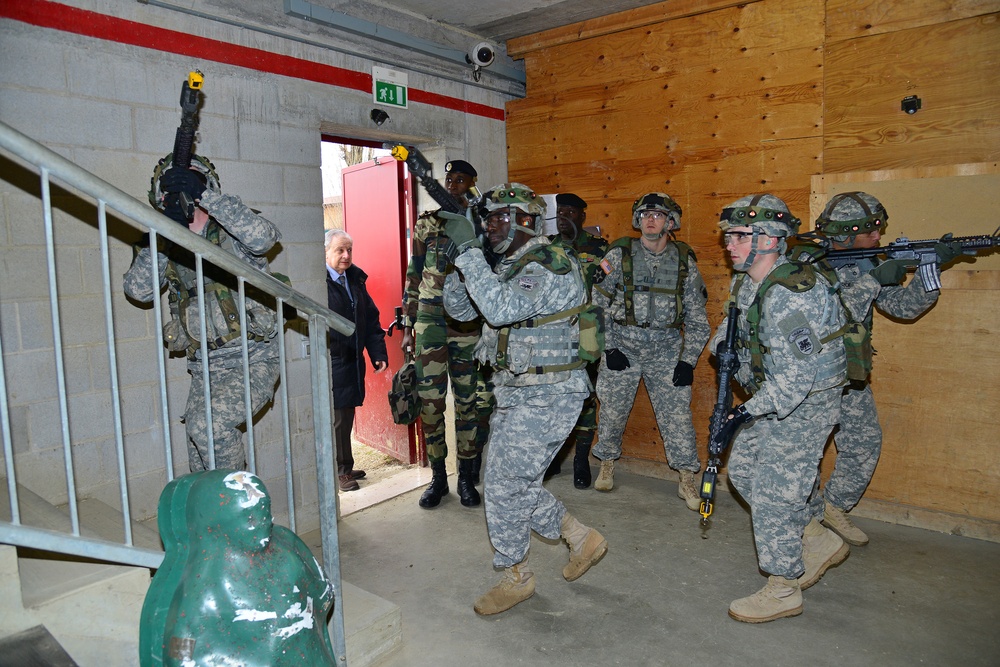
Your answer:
<point x="922" y="254"/>
<point x="728" y="363"/>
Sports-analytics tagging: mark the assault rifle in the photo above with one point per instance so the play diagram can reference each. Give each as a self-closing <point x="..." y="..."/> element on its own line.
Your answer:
<point x="728" y="363"/>
<point x="421" y="168"/>
<point x="921" y="254"/>
<point x="184" y="137"/>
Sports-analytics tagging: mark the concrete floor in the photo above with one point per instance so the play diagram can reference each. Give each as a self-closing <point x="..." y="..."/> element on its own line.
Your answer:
<point x="660" y="596"/>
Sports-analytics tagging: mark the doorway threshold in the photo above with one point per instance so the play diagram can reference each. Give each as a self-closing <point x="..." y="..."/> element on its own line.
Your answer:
<point x="385" y="489"/>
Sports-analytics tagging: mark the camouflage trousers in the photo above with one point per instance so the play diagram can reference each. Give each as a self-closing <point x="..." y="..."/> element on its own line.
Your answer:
<point x="444" y="347"/>
<point x="228" y="412"/>
<point x="773" y="465"/>
<point x="485" y="403"/>
<point x="528" y="427"/>
<point x="616" y="391"/>
<point x="859" y="442"/>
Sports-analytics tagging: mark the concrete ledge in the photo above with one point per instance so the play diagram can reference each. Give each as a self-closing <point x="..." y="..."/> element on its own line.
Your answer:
<point x="373" y="627"/>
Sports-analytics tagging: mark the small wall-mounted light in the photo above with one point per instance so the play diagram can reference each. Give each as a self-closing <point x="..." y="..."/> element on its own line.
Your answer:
<point x="910" y="104"/>
<point x="379" y="116"/>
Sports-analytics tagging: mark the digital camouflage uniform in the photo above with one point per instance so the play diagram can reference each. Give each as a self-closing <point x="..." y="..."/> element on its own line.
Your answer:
<point x="774" y="460"/>
<point x="859" y="436"/>
<point x="535" y="412"/>
<point x="238" y="230"/>
<point x="659" y="339"/>
<point x="443" y="346"/>
<point x="589" y="250"/>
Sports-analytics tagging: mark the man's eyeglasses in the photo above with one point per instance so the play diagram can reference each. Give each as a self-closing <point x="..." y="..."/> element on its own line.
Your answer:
<point x="736" y="238"/>
<point x="655" y="215"/>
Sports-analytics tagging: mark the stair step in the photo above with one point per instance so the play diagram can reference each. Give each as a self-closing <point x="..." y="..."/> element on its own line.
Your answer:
<point x="34" y="647"/>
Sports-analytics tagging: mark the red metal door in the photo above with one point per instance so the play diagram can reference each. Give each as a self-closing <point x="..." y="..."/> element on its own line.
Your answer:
<point x="378" y="211"/>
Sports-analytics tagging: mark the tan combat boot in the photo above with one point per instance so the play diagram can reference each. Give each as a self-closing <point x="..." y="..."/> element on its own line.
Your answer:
<point x="687" y="490"/>
<point x="821" y="550"/>
<point x="586" y="547"/>
<point x="779" y="598"/>
<point x="837" y="520"/>
<point x="606" y="477"/>
<point x="517" y="585"/>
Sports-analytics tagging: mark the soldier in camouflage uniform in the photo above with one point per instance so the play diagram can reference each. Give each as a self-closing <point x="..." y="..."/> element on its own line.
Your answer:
<point x="571" y="215"/>
<point x="531" y="304"/>
<point x="442" y="347"/>
<point x="654" y="306"/>
<point x="226" y="221"/>
<point x="856" y="220"/>
<point x="793" y="364"/>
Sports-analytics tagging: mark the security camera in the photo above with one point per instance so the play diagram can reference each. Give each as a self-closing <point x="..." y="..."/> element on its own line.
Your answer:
<point x="481" y="55"/>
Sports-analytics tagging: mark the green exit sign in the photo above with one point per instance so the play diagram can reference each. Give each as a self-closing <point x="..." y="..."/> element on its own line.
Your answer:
<point x="389" y="87"/>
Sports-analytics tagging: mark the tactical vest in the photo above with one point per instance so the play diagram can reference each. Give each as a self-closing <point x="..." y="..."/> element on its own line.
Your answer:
<point x="793" y="276"/>
<point x="857" y="335"/>
<point x="183" y="299"/>
<point x="630" y="250"/>
<point x="552" y="343"/>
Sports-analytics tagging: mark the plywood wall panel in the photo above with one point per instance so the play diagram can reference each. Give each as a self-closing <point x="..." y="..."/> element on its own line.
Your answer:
<point x="847" y="19"/>
<point x="952" y="67"/>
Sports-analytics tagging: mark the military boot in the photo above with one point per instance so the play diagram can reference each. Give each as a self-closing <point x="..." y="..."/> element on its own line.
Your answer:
<point x="477" y="465"/>
<point x="837" y="520"/>
<point x="438" y="487"/>
<point x="466" y="487"/>
<point x="606" y="477"/>
<point x="687" y="490"/>
<point x="517" y="585"/>
<point x="779" y="598"/>
<point x="581" y="464"/>
<point x="586" y="547"/>
<point x="821" y="550"/>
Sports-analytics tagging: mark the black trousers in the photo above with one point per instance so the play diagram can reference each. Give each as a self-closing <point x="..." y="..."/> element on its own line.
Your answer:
<point x="343" y="424"/>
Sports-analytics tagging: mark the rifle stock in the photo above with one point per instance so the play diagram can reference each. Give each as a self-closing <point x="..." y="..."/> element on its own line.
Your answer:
<point x="728" y="363"/>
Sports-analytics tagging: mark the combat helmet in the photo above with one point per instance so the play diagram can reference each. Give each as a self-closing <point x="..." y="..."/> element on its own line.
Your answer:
<point x="763" y="214"/>
<point x="657" y="201"/>
<point x="201" y="164"/>
<point x="514" y="196"/>
<point x="851" y="213"/>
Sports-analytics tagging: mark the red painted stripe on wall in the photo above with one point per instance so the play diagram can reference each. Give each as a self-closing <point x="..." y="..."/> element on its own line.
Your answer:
<point x="46" y="14"/>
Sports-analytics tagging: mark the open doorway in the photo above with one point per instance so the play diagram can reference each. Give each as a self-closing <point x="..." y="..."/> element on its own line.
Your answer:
<point x="368" y="194"/>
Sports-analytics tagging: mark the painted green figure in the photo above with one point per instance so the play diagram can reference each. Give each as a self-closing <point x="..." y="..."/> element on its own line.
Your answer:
<point x="571" y="216"/>
<point x="442" y="348"/>
<point x="233" y="588"/>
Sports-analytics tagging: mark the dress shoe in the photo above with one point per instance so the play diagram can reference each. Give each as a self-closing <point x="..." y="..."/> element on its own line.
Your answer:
<point x="348" y="483"/>
<point x="357" y="474"/>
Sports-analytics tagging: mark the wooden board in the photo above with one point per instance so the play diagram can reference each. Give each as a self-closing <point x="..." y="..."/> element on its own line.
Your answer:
<point x="952" y="67"/>
<point x="847" y="19"/>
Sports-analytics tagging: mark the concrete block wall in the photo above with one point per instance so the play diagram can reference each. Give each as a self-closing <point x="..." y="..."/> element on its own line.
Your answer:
<point x="96" y="81"/>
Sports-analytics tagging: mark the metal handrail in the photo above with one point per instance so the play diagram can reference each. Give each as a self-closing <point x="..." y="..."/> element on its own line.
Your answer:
<point x="319" y="319"/>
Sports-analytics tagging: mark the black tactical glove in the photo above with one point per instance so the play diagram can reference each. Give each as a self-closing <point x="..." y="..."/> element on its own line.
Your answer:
<point x="736" y="418"/>
<point x="890" y="272"/>
<point x="615" y="359"/>
<point x="947" y="249"/>
<point x="683" y="374"/>
<point x="183" y="189"/>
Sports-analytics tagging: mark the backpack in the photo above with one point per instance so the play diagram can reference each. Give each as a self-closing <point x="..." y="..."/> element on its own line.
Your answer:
<point x="404" y="402"/>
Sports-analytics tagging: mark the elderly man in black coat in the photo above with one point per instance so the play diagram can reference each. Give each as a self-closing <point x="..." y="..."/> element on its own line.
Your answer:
<point x="347" y="296"/>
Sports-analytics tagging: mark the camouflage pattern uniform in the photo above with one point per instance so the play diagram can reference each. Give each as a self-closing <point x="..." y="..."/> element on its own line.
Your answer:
<point x="774" y="460"/>
<point x="589" y="250"/>
<point x="443" y="346"/>
<point x="248" y="236"/>
<point x="653" y="348"/>
<point x="859" y="437"/>
<point x="535" y="411"/>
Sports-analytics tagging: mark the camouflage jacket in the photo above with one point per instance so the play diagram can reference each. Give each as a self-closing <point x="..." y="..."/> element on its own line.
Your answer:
<point x="589" y="250"/>
<point x="239" y="231"/>
<point x="532" y="291"/>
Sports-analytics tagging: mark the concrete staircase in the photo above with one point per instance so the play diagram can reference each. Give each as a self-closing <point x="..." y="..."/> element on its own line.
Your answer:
<point x="93" y="609"/>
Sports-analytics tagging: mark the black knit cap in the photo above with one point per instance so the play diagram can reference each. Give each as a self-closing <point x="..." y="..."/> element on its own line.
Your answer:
<point x="570" y="199"/>
<point x="462" y="167"/>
